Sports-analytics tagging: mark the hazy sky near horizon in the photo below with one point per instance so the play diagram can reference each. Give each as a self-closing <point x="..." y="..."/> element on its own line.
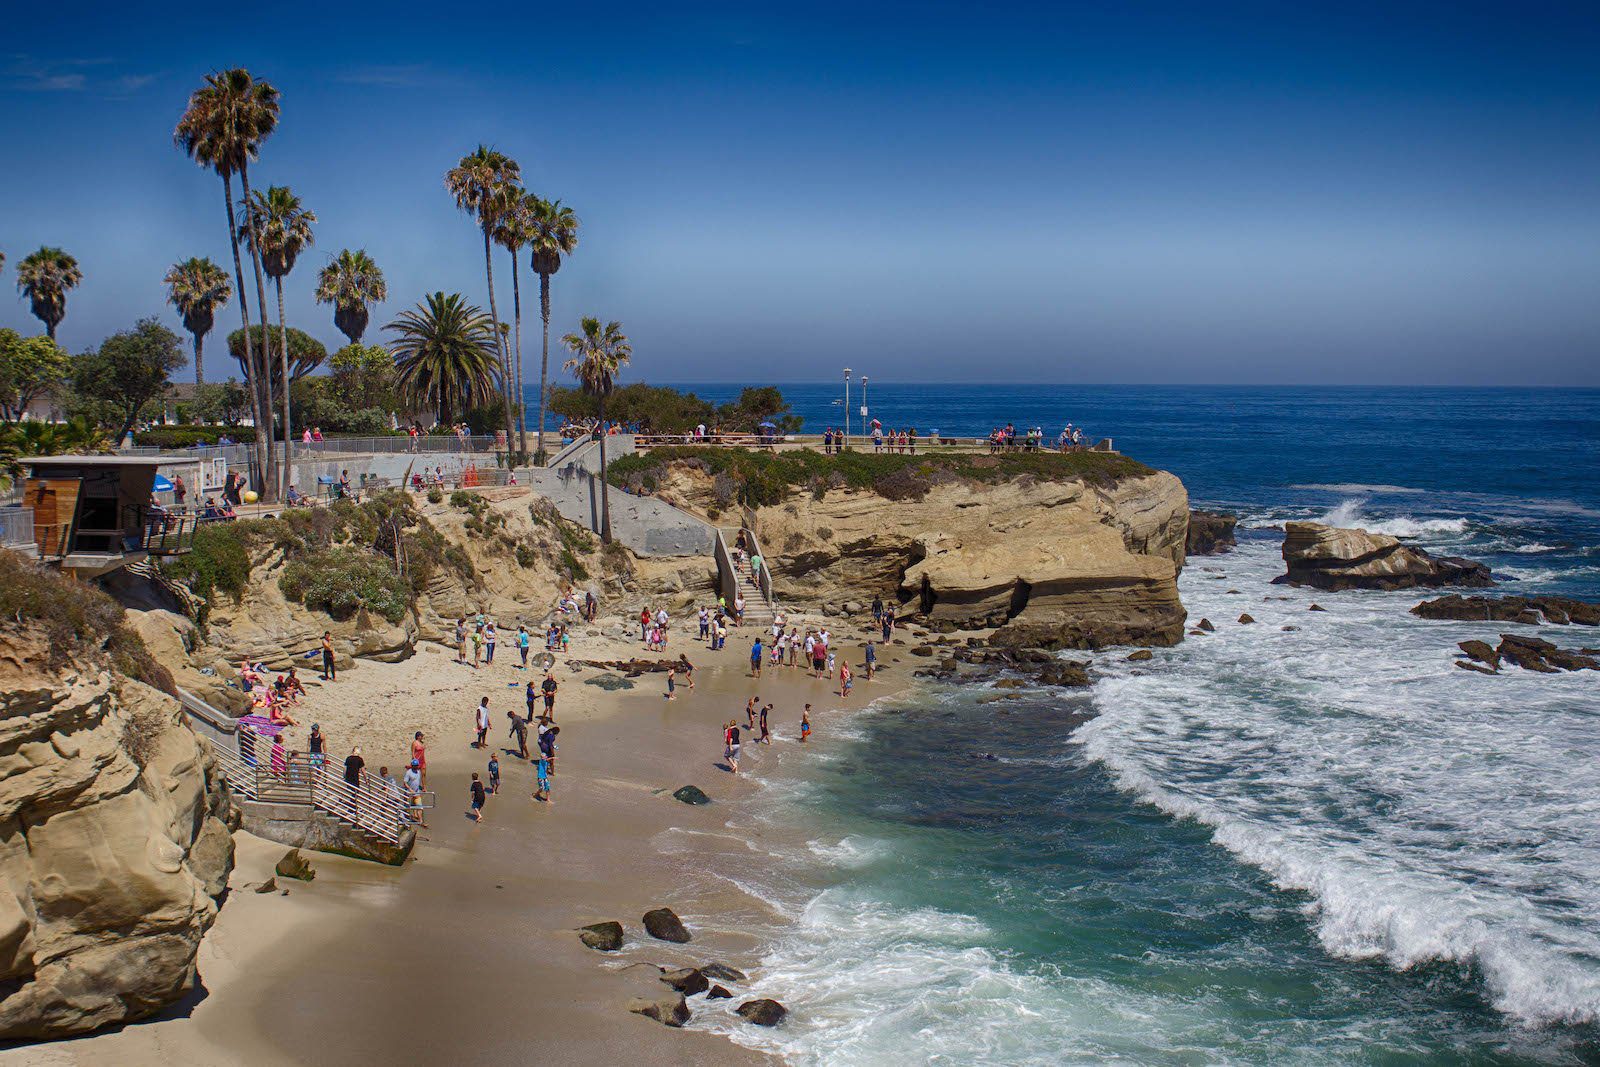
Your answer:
<point x="1173" y="193"/>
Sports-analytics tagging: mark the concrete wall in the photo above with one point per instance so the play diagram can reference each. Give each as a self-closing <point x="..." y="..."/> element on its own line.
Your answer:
<point x="302" y="826"/>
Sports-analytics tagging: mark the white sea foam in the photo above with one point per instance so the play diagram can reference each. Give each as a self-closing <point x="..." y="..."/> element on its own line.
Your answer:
<point x="1430" y="813"/>
<point x="1350" y="513"/>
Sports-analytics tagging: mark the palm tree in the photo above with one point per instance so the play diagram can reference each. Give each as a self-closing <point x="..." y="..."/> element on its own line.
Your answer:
<point x="196" y="288"/>
<point x="278" y="228"/>
<point x="597" y="354"/>
<point x="555" y="234"/>
<point x="222" y="128"/>
<point x="485" y="184"/>
<point x="350" y="283"/>
<point x="445" y="355"/>
<point x="44" y="277"/>
<point x="513" y="232"/>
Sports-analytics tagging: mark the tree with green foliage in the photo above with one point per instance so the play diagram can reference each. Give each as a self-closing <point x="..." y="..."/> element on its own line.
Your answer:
<point x="131" y="368"/>
<point x="485" y="184"/>
<point x="222" y="129"/>
<point x="44" y="277"/>
<point x="598" y="353"/>
<point x="306" y="353"/>
<point x="364" y="376"/>
<point x="555" y="236"/>
<point x="197" y="287"/>
<point x="220" y="404"/>
<point x="352" y="283"/>
<point x="30" y="367"/>
<point x="757" y="405"/>
<point x="445" y="354"/>
<point x="654" y="408"/>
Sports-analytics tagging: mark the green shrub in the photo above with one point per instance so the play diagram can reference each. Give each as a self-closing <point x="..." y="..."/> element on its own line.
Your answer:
<point x="435" y="495"/>
<point x="183" y="436"/>
<point x="341" y="581"/>
<point x="218" y="561"/>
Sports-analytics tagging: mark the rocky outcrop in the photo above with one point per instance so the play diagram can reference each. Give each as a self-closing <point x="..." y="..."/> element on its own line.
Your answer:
<point x="669" y="1009"/>
<point x="1327" y="557"/>
<point x="113" y="844"/>
<point x="1544" y="657"/>
<point x="1210" y="533"/>
<point x="663" y="924"/>
<point x="1052" y="564"/>
<point x="763" y="1012"/>
<point x="1534" y="611"/>
<point x="602" y="937"/>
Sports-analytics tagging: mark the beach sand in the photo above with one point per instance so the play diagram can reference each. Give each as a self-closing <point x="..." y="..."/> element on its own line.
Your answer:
<point x="468" y="952"/>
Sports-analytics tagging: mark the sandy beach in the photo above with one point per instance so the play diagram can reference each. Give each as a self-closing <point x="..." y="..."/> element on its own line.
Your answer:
<point x="468" y="951"/>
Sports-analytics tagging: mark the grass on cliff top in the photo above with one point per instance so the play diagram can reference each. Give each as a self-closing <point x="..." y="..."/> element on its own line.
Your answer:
<point x="759" y="479"/>
<point x="78" y="619"/>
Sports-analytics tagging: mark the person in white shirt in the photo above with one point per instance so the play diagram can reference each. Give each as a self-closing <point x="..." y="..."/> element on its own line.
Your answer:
<point x="482" y="723"/>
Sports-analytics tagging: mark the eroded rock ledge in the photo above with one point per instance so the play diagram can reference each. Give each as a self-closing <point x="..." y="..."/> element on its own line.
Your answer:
<point x="1327" y="557"/>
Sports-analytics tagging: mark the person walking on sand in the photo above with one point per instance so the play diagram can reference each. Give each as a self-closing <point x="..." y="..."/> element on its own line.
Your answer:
<point x="519" y="733"/>
<point x="688" y="670"/>
<point x="805" y="724"/>
<point x="845" y="680"/>
<point x="766" y="738"/>
<point x="481" y="723"/>
<point x="750" y="713"/>
<point x="547" y="744"/>
<point x="328" y="672"/>
<point x="548" y="687"/>
<point x="542" y="788"/>
<point x="419" y="756"/>
<point x="316" y="744"/>
<point x="522" y="646"/>
<point x="461" y="639"/>
<point x="479" y="797"/>
<point x="755" y="658"/>
<point x="672" y="681"/>
<point x="730" y="741"/>
<point x="871" y="655"/>
<point x="494" y="772"/>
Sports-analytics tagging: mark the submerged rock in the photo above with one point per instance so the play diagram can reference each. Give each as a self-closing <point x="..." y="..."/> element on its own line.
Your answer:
<point x="722" y="972"/>
<point x="663" y="924"/>
<point x="669" y="1009"/>
<point x="691" y="794"/>
<point x="1206" y="625"/>
<point x="763" y="1012"/>
<point x="602" y="937"/>
<point x="1140" y="656"/>
<point x="1246" y="619"/>
<point x="1328" y="557"/>
<point x="1482" y="651"/>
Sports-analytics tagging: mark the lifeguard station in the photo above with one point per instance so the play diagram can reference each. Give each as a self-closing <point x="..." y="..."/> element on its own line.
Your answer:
<point x="93" y="514"/>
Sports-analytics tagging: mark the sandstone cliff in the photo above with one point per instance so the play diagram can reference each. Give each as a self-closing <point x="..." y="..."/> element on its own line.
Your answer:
<point x="1057" y="564"/>
<point x="1327" y="557"/>
<point x="113" y="845"/>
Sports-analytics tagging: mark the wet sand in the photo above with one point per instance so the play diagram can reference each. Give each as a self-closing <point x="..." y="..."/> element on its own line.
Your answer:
<point x="468" y="952"/>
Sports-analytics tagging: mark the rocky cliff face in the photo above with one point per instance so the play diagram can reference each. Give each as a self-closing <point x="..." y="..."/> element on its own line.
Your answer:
<point x="1052" y="564"/>
<point x="1211" y="533"/>
<point x="113" y="846"/>
<point x="1327" y="557"/>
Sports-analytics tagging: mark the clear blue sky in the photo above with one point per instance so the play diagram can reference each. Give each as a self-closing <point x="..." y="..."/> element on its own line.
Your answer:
<point x="1108" y="193"/>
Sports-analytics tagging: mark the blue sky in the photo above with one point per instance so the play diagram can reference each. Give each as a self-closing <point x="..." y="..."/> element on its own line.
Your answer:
<point x="1167" y="193"/>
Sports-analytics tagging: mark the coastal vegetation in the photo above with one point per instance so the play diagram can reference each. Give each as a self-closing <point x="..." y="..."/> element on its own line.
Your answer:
<point x="352" y="283"/>
<point x="45" y="277"/>
<point x="662" y="409"/>
<point x="758" y="479"/>
<point x="196" y="288"/>
<point x="598" y="353"/>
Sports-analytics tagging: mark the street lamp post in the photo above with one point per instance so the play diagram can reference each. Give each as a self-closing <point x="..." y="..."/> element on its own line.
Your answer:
<point x="866" y="427"/>
<point x="846" y="406"/>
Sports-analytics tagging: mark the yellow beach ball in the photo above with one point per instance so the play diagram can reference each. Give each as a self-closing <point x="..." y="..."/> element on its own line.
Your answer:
<point x="250" y="496"/>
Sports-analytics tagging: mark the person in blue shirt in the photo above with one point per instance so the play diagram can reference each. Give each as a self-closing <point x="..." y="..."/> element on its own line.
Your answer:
<point x="755" y="659"/>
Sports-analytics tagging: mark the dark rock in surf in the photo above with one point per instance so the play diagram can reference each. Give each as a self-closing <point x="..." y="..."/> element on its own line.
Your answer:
<point x="1316" y="607"/>
<point x="1533" y="611"/>
<point x="1327" y="557"/>
<point x="691" y="794"/>
<point x="602" y="937"/>
<point x="1482" y="651"/>
<point x="669" y="1009"/>
<point x="1246" y="619"/>
<point x="663" y="924"/>
<point x="763" y="1012"/>
<point x="722" y="972"/>
<point x="719" y="993"/>
<point x="686" y="980"/>
<point x="1210" y="533"/>
<point x="1206" y="625"/>
<point x="1140" y="656"/>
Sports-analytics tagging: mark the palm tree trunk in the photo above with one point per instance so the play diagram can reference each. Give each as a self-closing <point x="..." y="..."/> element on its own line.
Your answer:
<point x="269" y="483"/>
<point x="199" y="367"/>
<point x="516" y="310"/>
<point x="50" y="330"/>
<point x="283" y="345"/>
<point x="252" y="372"/>
<point x="605" y="490"/>
<point x="544" y="358"/>
<point x="499" y="340"/>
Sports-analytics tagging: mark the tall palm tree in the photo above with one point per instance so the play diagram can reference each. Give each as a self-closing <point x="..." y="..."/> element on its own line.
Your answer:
<point x="555" y="235"/>
<point x="196" y="287"/>
<point x="44" y="278"/>
<point x="512" y="233"/>
<point x="597" y="354"/>
<point x="278" y="230"/>
<point x="484" y="184"/>
<point x="350" y="283"/>
<point x="445" y="355"/>
<point x="227" y="119"/>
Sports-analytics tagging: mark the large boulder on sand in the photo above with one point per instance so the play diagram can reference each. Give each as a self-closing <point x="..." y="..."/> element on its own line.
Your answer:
<point x="663" y="924"/>
<point x="1328" y="557"/>
<point x="603" y="937"/>
<point x="669" y="1009"/>
<point x="763" y="1012"/>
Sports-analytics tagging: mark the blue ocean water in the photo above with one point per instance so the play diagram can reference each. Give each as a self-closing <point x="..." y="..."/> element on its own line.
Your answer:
<point x="1307" y="840"/>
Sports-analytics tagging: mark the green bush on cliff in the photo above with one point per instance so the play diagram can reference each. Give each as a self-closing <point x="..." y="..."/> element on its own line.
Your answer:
<point x="217" y="562"/>
<point x="762" y="479"/>
<point x="341" y="581"/>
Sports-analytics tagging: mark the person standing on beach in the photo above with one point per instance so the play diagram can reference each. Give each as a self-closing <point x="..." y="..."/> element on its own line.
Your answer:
<point x="830" y="663"/>
<point x="328" y="673"/>
<point x="547" y="744"/>
<point x="419" y="758"/>
<point x="672" y="681"/>
<point x="542" y="789"/>
<point x="731" y="745"/>
<point x="316" y="744"/>
<point x="412" y="784"/>
<point x="750" y="712"/>
<point x="755" y="659"/>
<point x="519" y="733"/>
<point x="478" y="798"/>
<point x="480" y="722"/>
<point x="461" y="639"/>
<point x="845" y="680"/>
<point x="644" y="623"/>
<point x="490" y="636"/>
<point x="353" y="765"/>
<point x="705" y="622"/>
<point x="766" y="737"/>
<point x="548" y="687"/>
<point x="871" y="655"/>
<point x="522" y="646"/>
<point x="477" y="646"/>
<point x="688" y="670"/>
<point x="494" y="772"/>
<point x="877" y="611"/>
<point x="819" y="658"/>
<point x="805" y="724"/>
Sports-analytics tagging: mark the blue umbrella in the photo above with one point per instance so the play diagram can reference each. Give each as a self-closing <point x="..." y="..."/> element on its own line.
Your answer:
<point x="163" y="484"/>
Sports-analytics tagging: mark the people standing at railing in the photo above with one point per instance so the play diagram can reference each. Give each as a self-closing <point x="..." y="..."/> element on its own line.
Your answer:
<point x="316" y="745"/>
<point x="353" y="766"/>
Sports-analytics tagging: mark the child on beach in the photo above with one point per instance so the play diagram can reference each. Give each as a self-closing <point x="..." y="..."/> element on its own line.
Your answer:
<point x="805" y="724"/>
<point x="542" y="789"/>
<point x="672" y="681"/>
<point x="830" y="664"/>
<point x="478" y="798"/>
<point x="750" y="713"/>
<point x="766" y="738"/>
<point x="522" y="646"/>
<point x="494" y="772"/>
<point x="688" y="670"/>
<point x="548" y="746"/>
<point x="845" y="680"/>
<point x="477" y="646"/>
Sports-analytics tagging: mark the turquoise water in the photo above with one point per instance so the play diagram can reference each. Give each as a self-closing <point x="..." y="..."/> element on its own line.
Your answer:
<point x="1304" y="845"/>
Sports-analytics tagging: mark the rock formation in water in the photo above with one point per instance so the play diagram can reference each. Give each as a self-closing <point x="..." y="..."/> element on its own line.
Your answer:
<point x="1327" y="557"/>
<point x="1534" y="611"/>
<point x="114" y="842"/>
<point x="1529" y="653"/>
<point x="1210" y="533"/>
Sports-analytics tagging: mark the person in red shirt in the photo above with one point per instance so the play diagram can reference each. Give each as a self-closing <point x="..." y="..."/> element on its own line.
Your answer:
<point x="419" y="756"/>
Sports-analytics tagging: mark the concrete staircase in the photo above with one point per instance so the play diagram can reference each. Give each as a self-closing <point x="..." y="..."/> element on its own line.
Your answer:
<point x="759" y="608"/>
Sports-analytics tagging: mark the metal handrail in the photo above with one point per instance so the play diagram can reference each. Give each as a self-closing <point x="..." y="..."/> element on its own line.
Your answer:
<point x="764" y="578"/>
<point x="727" y="574"/>
<point x="373" y="807"/>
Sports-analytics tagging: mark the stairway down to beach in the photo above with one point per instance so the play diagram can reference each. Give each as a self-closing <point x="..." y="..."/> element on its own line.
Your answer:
<point x="759" y="608"/>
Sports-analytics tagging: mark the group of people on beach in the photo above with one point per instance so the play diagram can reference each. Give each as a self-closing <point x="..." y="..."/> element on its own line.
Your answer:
<point x="480" y="788"/>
